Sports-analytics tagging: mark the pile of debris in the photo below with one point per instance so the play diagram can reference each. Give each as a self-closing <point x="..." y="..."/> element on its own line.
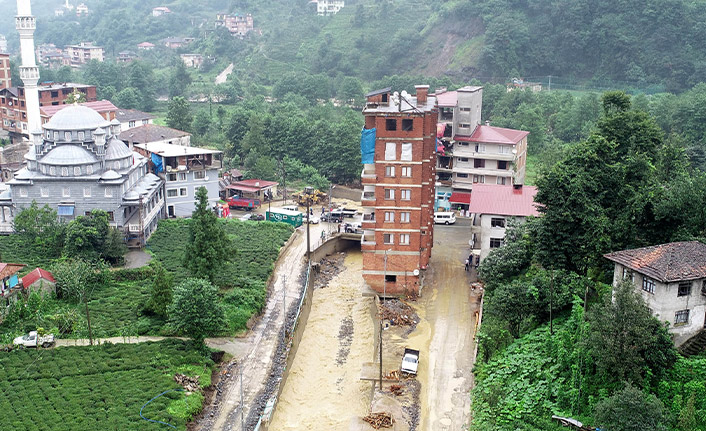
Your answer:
<point x="396" y="390"/>
<point x="379" y="420"/>
<point x="190" y="384"/>
<point x="399" y="313"/>
<point x="328" y="267"/>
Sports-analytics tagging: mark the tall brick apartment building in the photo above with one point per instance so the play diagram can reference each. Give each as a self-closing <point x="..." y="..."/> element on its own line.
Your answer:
<point x="398" y="147"/>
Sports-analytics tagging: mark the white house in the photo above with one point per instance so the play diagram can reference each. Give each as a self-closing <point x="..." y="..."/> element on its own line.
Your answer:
<point x="671" y="279"/>
<point x="491" y="206"/>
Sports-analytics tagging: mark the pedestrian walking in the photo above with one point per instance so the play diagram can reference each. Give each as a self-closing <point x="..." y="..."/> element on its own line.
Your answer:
<point x="467" y="264"/>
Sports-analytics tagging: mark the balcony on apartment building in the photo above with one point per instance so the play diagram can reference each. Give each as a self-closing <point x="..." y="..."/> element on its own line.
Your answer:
<point x="471" y="150"/>
<point x="444" y="163"/>
<point x="368" y="196"/>
<point x="368" y="221"/>
<point x="368" y="176"/>
<point x="367" y="240"/>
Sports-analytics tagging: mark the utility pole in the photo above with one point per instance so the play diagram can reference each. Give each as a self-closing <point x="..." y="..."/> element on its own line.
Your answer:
<point x="550" y="83"/>
<point x="308" y="223"/>
<point x="384" y="294"/>
<point x="330" y="208"/>
<point x="284" y="307"/>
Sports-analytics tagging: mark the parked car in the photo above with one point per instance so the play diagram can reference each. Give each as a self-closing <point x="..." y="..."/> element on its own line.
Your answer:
<point x="252" y="217"/>
<point x="444" y="218"/>
<point x="311" y="219"/>
<point x="30" y="340"/>
<point x="352" y="228"/>
<point x="332" y="217"/>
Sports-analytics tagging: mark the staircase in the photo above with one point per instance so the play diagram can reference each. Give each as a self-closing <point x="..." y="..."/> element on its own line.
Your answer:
<point x="694" y="345"/>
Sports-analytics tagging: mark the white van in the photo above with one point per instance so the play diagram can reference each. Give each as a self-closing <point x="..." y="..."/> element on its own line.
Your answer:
<point x="444" y="218"/>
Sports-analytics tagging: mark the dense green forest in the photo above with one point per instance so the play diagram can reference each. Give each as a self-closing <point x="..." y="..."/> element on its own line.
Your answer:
<point x="555" y="338"/>
<point x="649" y="45"/>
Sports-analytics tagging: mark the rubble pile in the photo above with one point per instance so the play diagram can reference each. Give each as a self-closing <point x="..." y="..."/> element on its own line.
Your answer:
<point x="345" y="338"/>
<point x="396" y="390"/>
<point x="399" y="313"/>
<point x="379" y="420"/>
<point x="190" y="384"/>
<point x="329" y="267"/>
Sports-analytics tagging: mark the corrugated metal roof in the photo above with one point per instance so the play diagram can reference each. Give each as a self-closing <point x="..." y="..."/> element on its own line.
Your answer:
<point x="256" y="183"/>
<point x="8" y="269"/>
<point x="460" y="198"/>
<point x="35" y="275"/>
<point x="503" y="200"/>
<point x="98" y="106"/>
<point x="494" y="135"/>
<point x="448" y="99"/>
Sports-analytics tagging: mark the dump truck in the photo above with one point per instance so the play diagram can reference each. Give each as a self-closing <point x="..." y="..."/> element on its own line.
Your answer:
<point x="410" y="361"/>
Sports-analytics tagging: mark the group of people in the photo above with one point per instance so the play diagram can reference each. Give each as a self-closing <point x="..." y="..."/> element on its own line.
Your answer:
<point x="472" y="261"/>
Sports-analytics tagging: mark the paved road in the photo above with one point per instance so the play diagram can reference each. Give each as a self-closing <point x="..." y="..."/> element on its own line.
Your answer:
<point x="449" y="308"/>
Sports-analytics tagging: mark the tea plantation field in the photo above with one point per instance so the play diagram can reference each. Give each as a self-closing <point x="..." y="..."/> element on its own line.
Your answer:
<point x="242" y="281"/>
<point x="100" y="387"/>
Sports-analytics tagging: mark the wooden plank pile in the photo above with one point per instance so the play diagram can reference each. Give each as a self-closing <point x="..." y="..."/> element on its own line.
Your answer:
<point x="380" y="420"/>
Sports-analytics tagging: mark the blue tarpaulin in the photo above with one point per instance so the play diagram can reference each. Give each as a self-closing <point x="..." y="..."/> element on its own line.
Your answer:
<point x="367" y="145"/>
<point x="14" y="280"/>
<point x="157" y="160"/>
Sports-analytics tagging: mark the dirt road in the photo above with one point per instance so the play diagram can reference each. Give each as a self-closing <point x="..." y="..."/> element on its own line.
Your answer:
<point x="223" y="76"/>
<point x="254" y="352"/>
<point x="446" y="334"/>
<point x="323" y="390"/>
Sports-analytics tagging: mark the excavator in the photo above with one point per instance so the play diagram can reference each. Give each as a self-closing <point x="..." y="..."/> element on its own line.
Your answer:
<point x="315" y="196"/>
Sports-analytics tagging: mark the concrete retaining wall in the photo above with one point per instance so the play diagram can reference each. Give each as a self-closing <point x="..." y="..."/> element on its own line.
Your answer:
<point x="343" y="192"/>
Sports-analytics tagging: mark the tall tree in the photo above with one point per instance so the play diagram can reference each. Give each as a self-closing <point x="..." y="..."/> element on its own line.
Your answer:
<point x="195" y="310"/>
<point x="626" y="342"/>
<point x="179" y="114"/>
<point x="630" y="409"/>
<point x="208" y="245"/>
<point x="179" y="79"/>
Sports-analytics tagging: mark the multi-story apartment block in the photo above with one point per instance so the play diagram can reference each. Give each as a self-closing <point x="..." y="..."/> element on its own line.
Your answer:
<point x="185" y="170"/>
<point x="3" y="43"/>
<point x="237" y="25"/>
<point x="398" y="148"/>
<point x="5" y="74"/>
<point x="492" y="155"/>
<point x="14" y="110"/>
<point x="83" y="53"/>
<point x="328" y="7"/>
<point x="471" y="153"/>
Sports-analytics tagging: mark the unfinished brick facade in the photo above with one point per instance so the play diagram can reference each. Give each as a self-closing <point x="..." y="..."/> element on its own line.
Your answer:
<point x="398" y="189"/>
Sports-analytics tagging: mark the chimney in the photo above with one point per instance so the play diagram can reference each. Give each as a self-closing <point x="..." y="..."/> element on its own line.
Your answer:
<point x="422" y="91"/>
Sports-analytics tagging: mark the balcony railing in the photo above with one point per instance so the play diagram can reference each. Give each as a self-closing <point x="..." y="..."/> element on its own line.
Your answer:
<point x="368" y="196"/>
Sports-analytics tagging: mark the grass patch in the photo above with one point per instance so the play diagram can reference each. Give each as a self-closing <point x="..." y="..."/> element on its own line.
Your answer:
<point x="99" y="387"/>
<point x="531" y="168"/>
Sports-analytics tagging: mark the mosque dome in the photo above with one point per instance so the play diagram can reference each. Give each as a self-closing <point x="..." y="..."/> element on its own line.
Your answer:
<point x="76" y="117"/>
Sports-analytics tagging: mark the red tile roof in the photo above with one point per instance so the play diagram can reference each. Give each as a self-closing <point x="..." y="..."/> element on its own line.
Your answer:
<point x="494" y="135"/>
<point x="99" y="106"/>
<point x="668" y="263"/>
<point x="503" y="200"/>
<point x="460" y="198"/>
<point x="35" y="275"/>
<point x="9" y="269"/>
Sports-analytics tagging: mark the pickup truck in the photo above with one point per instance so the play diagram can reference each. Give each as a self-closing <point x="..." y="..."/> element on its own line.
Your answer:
<point x="410" y="361"/>
<point x="30" y="340"/>
<point x="243" y="203"/>
<point x="344" y="212"/>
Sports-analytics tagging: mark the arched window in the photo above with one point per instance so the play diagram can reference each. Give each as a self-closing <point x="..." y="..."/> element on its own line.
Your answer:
<point x="67" y="136"/>
<point x="89" y="169"/>
<point x="81" y="136"/>
<point x="64" y="172"/>
<point x="77" y="171"/>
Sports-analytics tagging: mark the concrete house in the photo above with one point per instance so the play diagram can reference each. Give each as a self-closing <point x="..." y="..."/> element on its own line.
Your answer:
<point x="131" y="118"/>
<point x="78" y="164"/>
<point x="153" y="133"/>
<point x="492" y="206"/>
<point x="671" y="279"/>
<point x="185" y="170"/>
<point x="39" y="280"/>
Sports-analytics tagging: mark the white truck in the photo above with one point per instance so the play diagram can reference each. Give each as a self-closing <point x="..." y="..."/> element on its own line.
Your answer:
<point x="410" y="361"/>
<point x="30" y="340"/>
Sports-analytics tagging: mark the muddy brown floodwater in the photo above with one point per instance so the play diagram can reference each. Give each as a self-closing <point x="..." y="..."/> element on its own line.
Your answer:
<point x="323" y="390"/>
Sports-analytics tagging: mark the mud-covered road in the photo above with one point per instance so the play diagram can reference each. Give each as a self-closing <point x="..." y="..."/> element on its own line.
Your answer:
<point x="446" y="333"/>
